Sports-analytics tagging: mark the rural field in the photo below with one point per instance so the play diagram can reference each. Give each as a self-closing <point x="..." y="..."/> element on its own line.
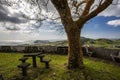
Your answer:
<point x="95" y="69"/>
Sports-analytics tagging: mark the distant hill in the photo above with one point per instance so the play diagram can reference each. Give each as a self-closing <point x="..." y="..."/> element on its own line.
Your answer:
<point x="108" y="43"/>
<point x="105" y="40"/>
<point x="59" y="43"/>
<point x="41" y="41"/>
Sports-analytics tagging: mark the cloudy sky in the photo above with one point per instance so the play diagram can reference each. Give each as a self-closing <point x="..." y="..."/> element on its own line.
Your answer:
<point x="15" y="26"/>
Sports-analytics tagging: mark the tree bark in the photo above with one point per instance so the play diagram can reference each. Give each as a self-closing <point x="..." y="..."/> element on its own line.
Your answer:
<point x="75" y="57"/>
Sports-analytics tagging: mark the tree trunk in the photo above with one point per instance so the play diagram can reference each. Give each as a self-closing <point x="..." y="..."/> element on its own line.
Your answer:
<point x="75" y="56"/>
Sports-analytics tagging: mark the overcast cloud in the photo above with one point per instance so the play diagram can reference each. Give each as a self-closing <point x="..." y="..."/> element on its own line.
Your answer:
<point x="22" y="27"/>
<point x="113" y="10"/>
<point x="6" y="16"/>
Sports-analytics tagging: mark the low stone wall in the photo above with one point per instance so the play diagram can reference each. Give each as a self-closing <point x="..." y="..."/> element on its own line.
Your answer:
<point x="29" y="49"/>
<point x="48" y="49"/>
<point x="5" y="49"/>
<point x="104" y="53"/>
<point x="62" y="50"/>
<point x="97" y="52"/>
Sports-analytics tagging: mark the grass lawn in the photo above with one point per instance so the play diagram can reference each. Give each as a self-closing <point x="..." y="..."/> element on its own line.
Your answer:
<point x="94" y="69"/>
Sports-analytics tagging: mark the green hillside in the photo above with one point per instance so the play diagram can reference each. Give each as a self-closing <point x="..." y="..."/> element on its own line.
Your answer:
<point x="106" y="43"/>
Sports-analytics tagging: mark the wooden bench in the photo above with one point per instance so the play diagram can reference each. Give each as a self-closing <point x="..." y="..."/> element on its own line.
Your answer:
<point x="23" y="59"/>
<point x="116" y="58"/>
<point x="24" y="67"/>
<point x="46" y="61"/>
<point x="41" y="56"/>
<point x="1" y="77"/>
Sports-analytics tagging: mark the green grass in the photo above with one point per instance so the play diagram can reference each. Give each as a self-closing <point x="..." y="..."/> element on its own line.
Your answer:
<point x="94" y="69"/>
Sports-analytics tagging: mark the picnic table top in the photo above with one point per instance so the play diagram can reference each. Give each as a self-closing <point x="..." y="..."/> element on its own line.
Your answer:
<point x="31" y="54"/>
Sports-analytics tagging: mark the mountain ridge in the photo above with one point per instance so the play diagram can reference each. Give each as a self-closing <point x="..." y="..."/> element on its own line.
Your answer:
<point x="84" y="40"/>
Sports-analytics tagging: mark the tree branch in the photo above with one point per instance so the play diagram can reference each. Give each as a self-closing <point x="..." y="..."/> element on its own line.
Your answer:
<point x="77" y="5"/>
<point x="95" y="12"/>
<point x="99" y="9"/>
<point x="64" y="11"/>
<point x="87" y="7"/>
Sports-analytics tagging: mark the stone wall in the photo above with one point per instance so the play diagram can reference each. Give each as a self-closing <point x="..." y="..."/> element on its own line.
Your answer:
<point x="97" y="52"/>
<point x="28" y="49"/>
<point x="5" y="49"/>
<point x="48" y="49"/>
<point x="104" y="53"/>
<point x="62" y="50"/>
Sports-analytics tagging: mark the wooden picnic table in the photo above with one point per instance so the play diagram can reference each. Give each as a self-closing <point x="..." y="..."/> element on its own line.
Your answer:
<point x="33" y="55"/>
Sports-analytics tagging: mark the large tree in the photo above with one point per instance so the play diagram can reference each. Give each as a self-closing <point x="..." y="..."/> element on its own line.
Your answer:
<point x="73" y="14"/>
<point x="73" y="27"/>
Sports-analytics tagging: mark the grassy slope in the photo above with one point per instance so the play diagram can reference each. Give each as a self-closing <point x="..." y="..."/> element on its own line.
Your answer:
<point x="94" y="70"/>
<point x="107" y="43"/>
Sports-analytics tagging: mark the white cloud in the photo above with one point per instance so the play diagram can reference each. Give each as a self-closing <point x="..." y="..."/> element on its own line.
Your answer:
<point x="112" y="10"/>
<point x="114" y="23"/>
<point x="24" y="36"/>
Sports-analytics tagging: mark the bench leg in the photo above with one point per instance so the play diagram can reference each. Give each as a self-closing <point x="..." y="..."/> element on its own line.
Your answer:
<point x="34" y="62"/>
<point x="1" y="77"/>
<point x="41" y="59"/>
<point x="47" y="65"/>
<point x="23" y="61"/>
<point x="24" y="71"/>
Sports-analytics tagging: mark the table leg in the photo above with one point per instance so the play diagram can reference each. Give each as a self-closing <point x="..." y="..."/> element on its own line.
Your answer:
<point x="34" y="61"/>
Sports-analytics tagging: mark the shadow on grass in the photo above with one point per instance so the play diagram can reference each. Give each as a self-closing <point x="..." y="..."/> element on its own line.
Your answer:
<point x="94" y="70"/>
<point x="56" y="73"/>
<point x="101" y="74"/>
